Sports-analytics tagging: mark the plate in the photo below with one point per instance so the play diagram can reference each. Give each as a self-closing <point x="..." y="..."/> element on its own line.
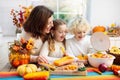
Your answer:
<point x="100" y="41"/>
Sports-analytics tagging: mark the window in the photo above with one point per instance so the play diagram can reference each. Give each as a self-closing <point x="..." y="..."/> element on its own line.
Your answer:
<point x="64" y="9"/>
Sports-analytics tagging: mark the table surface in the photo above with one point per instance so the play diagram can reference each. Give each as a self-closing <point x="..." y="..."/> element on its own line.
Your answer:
<point x="8" y="68"/>
<point x="108" y="75"/>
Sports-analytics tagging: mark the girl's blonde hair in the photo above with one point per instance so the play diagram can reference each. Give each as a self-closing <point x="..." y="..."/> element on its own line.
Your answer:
<point x="79" y="24"/>
<point x="51" y="42"/>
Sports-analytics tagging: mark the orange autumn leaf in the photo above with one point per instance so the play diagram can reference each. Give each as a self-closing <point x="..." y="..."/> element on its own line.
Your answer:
<point x="23" y="40"/>
<point x="29" y="47"/>
<point x="30" y="41"/>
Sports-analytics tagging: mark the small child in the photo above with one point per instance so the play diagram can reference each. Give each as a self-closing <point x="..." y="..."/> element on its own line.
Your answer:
<point x="54" y="47"/>
<point x="79" y="44"/>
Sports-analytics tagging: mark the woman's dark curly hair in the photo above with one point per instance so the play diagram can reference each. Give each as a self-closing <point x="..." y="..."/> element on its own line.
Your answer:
<point x="37" y="21"/>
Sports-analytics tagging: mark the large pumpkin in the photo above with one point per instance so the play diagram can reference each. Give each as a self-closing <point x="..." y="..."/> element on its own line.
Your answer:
<point x="26" y="68"/>
<point x="98" y="29"/>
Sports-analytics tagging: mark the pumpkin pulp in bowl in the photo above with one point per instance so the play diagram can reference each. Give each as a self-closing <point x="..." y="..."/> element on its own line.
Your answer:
<point x="98" y="58"/>
<point x="82" y="58"/>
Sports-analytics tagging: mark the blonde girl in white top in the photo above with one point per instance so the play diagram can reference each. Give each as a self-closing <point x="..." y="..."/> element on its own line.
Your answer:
<point x="79" y="43"/>
<point x="54" y="47"/>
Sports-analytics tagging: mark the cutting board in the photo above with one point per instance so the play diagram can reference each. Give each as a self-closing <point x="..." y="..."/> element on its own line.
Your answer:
<point x="82" y="73"/>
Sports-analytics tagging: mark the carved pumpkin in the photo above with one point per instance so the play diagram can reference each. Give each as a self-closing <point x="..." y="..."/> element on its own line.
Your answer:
<point x="26" y="68"/>
<point x="98" y="29"/>
<point x="17" y="59"/>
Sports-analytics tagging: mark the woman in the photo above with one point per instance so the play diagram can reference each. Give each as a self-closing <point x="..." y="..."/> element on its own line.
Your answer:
<point x="38" y="27"/>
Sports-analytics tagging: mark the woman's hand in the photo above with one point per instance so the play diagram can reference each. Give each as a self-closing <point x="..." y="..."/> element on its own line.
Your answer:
<point x="42" y="59"/>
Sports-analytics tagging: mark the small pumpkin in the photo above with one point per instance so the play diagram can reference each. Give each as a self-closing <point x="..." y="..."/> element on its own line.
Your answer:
<point x="99" y="29"/>
<point x="15" y="63"/>
<point x="24" y="61"/>
<point x="26" y="68"/>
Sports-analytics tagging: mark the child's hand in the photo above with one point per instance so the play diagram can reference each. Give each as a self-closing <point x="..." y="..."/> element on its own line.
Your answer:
<point x="42" y="59"/>
<point x="81" y="61"/>
<point x="65" y="55"/>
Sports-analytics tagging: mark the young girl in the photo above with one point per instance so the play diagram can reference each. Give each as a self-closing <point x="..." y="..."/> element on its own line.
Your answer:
<point x="38" y="26"/>
<point x="54" y="47"/>
<point x="79" y="44"/>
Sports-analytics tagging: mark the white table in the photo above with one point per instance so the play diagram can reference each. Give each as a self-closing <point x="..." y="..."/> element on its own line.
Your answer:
<point x="4" y="51"/>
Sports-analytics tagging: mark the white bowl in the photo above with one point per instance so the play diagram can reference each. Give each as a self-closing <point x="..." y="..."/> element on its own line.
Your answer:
<point x="95" y="62"/>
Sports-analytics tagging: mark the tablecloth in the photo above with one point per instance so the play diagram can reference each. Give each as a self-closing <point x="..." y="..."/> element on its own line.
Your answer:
<point x="108" y="75"/>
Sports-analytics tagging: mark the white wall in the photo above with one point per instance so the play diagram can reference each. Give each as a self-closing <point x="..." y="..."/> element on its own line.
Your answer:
<point x="104" y="12"/>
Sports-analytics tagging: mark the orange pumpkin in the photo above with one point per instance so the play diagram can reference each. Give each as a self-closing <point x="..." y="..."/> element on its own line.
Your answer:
<point x="24" y="61"/>
<point x="98" y="29"/>
<point x="15" y="63"/>
<point x="17" y="59"/>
